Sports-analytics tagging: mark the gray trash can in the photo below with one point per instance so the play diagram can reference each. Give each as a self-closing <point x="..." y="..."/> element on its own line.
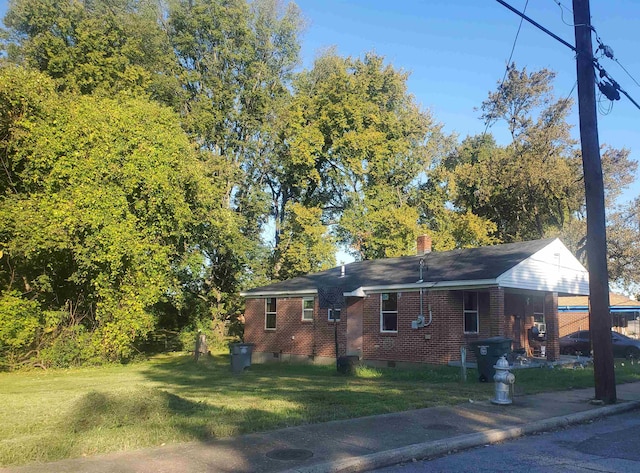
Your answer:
<point x="488" y="352"/>
<point x="240" y="356"/>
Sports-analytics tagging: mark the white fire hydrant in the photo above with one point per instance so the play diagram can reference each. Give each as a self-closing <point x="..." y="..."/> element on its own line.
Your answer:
<point x="503" y="379"/>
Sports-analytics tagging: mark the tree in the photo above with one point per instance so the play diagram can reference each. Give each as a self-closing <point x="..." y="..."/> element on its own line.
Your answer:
<point x="97" y="46"/>
<point x="306" y="246"/>
<point x="454" y="227"/>
<point x="353" y="143"/>
<point x="236" y="61"/>
<point x="532" y="186"/>
<point x="104" y="204"/>
<point x="618" y="173"/>
<point x="623" y="235"/>
<point x="379" y="225"/>
<point x="224" y="66"/>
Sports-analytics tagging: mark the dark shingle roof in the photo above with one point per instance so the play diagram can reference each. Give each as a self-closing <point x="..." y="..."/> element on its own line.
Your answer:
<point x="487" y="262"/>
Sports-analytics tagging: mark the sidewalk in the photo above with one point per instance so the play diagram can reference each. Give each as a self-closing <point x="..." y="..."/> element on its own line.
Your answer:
<point x="358" y="444"/>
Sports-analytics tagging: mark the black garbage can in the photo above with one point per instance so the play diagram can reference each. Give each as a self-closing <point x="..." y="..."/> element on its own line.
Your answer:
<point x="240" y="356"/>
<point x="488" y="352"/>
<point x="347" y="364"/>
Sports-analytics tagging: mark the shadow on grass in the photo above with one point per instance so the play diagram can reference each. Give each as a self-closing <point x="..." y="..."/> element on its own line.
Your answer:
<point x="271" y="396"/>
<point x="117" y="410"/>
<point x="180" y="400"/>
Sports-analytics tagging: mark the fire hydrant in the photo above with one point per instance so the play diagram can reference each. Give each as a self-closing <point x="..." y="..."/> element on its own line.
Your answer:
<point x="503" y="379"/>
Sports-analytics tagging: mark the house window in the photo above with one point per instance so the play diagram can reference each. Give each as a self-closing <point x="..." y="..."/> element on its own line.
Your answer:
<point x="333" y="315"/>
<point x="471" y="318"/>
<point x="538" y="314"/>
<point x="270" y="313"/>
<point x="389" y="312"/>
<point x="307" y="308"/>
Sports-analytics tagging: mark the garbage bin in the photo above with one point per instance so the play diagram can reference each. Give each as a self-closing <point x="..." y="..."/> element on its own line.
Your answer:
<point x="488" y="352"/>
<point x="240" y="356"/>
<point x="347" y="364"/>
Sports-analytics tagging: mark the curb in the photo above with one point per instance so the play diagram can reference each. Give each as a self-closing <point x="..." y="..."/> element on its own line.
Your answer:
<point x="463" y="442"/>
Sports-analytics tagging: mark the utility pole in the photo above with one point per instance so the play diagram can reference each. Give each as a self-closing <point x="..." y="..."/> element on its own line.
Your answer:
<point x="599" y="315"/>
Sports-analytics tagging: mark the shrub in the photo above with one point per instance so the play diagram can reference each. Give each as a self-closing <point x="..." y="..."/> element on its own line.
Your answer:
<point x="19" y="322"/>
<point x="71" y="347"/>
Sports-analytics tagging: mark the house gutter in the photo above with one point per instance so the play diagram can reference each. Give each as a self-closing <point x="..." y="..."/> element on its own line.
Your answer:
<point x="306" y="292"/>
<point x="363" y="290"/>
<point x="440" y="285"/>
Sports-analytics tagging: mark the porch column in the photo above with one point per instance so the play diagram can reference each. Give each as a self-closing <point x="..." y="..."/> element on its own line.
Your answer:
<point x="497" y="322"/>
<point x="551" y="320"/>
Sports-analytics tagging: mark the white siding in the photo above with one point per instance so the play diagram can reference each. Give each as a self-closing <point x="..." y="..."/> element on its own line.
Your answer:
<point x="553" y="269"/>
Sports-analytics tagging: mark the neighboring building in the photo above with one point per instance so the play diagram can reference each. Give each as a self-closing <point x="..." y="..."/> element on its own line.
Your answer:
<point x="574" y="314"/>
<point x="416" y="309"/>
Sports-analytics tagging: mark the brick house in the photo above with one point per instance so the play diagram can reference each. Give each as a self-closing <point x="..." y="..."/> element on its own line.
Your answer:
<point x="416" y="309"/>
<point x="573" y="314"/>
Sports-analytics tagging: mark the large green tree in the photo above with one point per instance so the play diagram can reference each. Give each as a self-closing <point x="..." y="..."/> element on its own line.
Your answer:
<point x="236" y="61"/>
<point x="454" y="226"/>
<point x="533" y="185"/>
<point x="103" y="203"/>
<point x="353" y="142"/>
<point x="96" y="46"/>
<point x="224" y="66"/>
<point x="305" y="245"/>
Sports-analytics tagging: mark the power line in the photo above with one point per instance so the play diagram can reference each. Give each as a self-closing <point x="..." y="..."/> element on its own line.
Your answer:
<point x="515" y="40"/>
<point x="605" y="50"/>
<point x="623" y="68"/>
<point x="608" y="88"/>
<point x="506" y="70"/>
<point x="591" y="27"/>
<point x="562" y="13"/>
<point x="537" y="25"/>
<point x="566" y="101"/>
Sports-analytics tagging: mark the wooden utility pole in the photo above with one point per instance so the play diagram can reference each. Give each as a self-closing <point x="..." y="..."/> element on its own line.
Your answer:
<point x="599" y="316"/>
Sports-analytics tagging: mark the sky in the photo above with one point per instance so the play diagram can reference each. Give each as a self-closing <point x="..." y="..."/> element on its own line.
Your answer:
<point x="456" y="53"/>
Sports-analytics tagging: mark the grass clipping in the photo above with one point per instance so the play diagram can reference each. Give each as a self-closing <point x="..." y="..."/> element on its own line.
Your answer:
<point x="98" y="422"/>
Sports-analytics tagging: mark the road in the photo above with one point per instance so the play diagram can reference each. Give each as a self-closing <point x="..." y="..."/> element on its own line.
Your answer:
<point x="609" y="445"/>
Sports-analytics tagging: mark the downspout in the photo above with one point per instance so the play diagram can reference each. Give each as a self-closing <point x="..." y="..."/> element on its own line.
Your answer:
<point x="421" y="315"/>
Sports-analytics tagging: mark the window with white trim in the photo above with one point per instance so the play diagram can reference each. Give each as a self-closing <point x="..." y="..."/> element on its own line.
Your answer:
<point x="307" y="308"/>
<point x="270" y="313"/>
<point x="333" y="315"/>
<point x="389" y="312"/>
<point x="470" y="310"/>
<point x="538" y="314"/>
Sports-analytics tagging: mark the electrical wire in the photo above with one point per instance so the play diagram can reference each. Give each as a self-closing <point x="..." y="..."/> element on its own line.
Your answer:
<point x="513" y="48"/>
<point x="604" y="109"/>
<point x="605" y="51"/>
<point x="623" y="68"/>
<point x="537" y="25"/>
<point x="568" y="98"/>
<point x="611" y="85"/>
<point x="591" y="27"/>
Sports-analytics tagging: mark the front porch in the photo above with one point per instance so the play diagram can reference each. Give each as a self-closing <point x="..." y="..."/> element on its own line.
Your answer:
<point x="519" y="314"/>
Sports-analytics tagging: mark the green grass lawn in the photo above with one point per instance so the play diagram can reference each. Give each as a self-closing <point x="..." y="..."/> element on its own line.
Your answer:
<point x="55" y="414"/>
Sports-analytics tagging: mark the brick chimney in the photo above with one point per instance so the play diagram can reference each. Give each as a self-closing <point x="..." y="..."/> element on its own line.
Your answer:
<point x="424" y="244"/>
